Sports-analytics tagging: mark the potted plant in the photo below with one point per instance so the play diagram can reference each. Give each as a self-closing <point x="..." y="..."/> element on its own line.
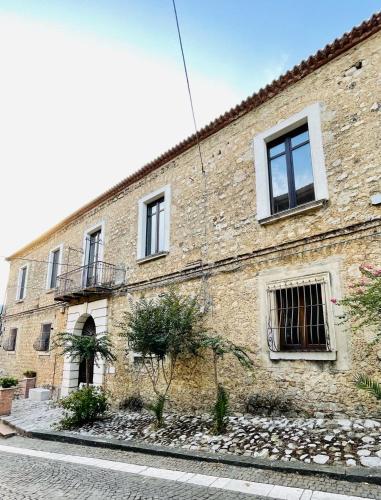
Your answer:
<point x="7" y="391"/>
<point x="29" y="382"/>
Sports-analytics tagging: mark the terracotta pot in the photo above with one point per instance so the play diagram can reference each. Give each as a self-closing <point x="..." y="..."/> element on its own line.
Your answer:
<point x="6" y="397"/>
<point x="26" y="385"/>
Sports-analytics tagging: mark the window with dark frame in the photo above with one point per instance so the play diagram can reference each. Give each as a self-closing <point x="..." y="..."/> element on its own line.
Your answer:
<point x="298" y="318"/>
<point x="22" y="283"/>
<point x="46" y="328"/>
<point x="55" y="259"/>
<point x="290" y="170"/>
<point x="155" y="227"/>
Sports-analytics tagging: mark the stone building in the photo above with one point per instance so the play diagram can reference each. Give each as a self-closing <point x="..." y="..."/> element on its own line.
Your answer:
<point x="275" y="221"/>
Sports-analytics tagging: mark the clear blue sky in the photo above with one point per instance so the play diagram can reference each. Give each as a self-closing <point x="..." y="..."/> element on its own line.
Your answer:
<point x="229" y="39"/>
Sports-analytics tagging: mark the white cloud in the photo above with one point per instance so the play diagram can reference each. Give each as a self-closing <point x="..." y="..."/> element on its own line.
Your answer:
<point x="78" y="114"/>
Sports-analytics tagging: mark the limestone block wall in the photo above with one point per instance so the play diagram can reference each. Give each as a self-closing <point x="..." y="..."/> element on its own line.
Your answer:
<point x="214" y="219"/>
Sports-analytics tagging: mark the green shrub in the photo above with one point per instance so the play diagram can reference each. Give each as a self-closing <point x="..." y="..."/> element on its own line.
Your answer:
<point x="220" y="410"/>
<point x="158" y="409"/>
<point x="133" y="403"/>
<point x="30" y="374"/>
<point x="268" y="403"/>
<point x="8" y="382"/>
<point x="83" y="406"/>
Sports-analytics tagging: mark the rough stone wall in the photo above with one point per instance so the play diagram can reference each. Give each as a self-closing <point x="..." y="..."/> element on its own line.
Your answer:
<point x="213" y="216"/>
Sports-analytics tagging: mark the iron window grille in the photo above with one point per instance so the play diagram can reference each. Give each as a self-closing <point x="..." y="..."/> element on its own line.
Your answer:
<point x="155" y="227"/>
<point x="290" y="170"/>
<point x="42" y="344"/>
<point x="298" y="315"/>
<point x="9" y="343"/>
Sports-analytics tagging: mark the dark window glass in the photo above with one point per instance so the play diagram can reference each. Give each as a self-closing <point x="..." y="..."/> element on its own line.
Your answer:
<point x="45" y="336"/>
<point x="300" y="316"/>
<point x="12" y="339"/>
<point x="55" y="259"/>
<point x="93" y="266"/>
<point x="290" y="170"/>
<point x="155" y="227"/>
<point x="22" y="283"/>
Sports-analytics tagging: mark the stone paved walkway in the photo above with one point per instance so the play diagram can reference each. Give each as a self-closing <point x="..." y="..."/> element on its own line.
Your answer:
<point x="34" y="415"/>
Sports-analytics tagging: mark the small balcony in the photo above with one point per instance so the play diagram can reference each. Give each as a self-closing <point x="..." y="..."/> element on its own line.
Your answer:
<point x="96" y="280"/>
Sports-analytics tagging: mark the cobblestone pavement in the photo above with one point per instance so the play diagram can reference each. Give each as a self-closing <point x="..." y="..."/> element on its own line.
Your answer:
<point x="31" y="478"/>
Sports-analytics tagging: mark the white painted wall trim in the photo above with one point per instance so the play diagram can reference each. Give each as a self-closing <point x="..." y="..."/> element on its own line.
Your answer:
<point x="142" y="218"/>
<point x="50" y="265"/>
<point x="310" y="115"/>
<point x="76" y="318"/>
<point x="88" y="232"/>
<point x="338" y="332"/>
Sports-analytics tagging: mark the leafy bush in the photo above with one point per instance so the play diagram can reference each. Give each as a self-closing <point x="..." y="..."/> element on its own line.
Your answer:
<point x="8" y="382"/>
<point x="220" y="410"/>
<point x="363" y="306"/>
<point x="83" y="406"/>
<point x="163" y="330"/>
<point x="158" y="409"/>
<point x="30" y="374"/>
<point x="267" y="403"/>
<point x="133" y="403"/>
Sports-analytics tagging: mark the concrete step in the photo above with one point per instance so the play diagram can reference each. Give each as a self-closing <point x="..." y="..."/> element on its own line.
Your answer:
<point x="6" y="431"/>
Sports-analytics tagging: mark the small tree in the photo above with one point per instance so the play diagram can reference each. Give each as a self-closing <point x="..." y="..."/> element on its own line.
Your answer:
<point x="163" y="330"/>
<point x="221" y="347"/>
<point x="363" y="307"/>
<point x="85" y="348"/>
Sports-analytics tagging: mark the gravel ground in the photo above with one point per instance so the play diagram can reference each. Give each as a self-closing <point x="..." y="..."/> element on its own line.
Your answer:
<point x="335" y="441"/>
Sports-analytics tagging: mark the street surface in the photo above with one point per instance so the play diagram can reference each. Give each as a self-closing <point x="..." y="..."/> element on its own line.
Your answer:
<point x="32" y="469"/>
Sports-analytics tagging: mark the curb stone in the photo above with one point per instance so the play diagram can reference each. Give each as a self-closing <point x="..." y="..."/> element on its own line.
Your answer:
<point x="353" y="474"/>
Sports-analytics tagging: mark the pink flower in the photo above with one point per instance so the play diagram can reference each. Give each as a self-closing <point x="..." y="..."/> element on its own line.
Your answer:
<point x="333" y="300"/>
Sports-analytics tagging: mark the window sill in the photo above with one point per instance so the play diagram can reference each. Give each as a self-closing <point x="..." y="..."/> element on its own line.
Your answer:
<point x="11" y="353"/>
<point x="44" y="354"/>
<point x="19" y="301"/>
<point x="308" y="207"/>
<point x="51" y="290"/>
<point x="307" y="356"/>
<point x="152" y="257"/>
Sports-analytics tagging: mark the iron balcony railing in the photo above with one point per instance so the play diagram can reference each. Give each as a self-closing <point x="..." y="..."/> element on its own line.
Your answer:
<point x="97" y="277"/>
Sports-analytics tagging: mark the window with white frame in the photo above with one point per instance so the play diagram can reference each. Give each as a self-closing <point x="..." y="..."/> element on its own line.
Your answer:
<point x="153" y="223"/>
<point x="54" y="267"/>
<point x="289" y="164"/>
<point x="298" y="315"/>
<point x="22" y="283"/>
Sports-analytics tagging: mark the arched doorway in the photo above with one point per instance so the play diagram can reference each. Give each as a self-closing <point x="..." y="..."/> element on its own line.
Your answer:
<point x="89" y="329"/>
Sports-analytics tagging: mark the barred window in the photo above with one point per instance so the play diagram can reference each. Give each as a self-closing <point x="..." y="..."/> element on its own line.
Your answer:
<point x="10" y="342"/>
<point x="298" y="315"/>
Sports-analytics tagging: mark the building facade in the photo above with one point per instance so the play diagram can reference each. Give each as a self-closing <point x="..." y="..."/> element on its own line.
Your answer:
<point x="272" y="223"/>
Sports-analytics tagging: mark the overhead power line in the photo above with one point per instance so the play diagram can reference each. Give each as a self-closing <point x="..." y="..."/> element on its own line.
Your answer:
<point x="188" y="85"/>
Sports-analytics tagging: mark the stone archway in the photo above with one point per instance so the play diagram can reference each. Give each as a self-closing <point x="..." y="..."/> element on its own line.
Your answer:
<point x="88" y="330"/>
<point x="91" y="317"/>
